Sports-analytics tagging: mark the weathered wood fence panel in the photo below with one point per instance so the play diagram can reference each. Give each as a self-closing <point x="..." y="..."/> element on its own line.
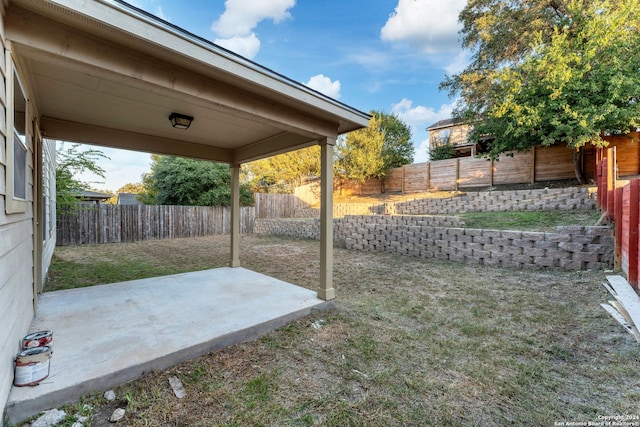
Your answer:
<point x="394" y="180"/>
<point x="516" y="169"/>
<point x="416" y="177"/>
<point x="443" y="175"/>
<point x="118" y="223"/>
<point x="269" y="205"/>
<point x="553" y="163"/>
<point x="475" y="172"/>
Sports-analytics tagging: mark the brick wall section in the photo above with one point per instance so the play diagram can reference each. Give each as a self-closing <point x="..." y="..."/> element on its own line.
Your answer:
<point x="310" y="228"/>
<point x="473" y="201"/>
<point x="569" y="248"/>
<point x="500" y="201"/>
<point x="301" y="228"/>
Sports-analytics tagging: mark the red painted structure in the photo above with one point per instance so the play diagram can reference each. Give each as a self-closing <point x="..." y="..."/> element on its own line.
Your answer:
<point x="621" y="202"/>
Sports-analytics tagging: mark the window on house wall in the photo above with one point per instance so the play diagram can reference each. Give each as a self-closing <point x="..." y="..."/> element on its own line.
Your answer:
<point x="19" y="140"/>
<point x="443" y="136"/>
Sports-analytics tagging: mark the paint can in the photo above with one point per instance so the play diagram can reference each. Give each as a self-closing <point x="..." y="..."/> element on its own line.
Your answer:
<point x="32" y="366"/>
<point x="37" y="339"/>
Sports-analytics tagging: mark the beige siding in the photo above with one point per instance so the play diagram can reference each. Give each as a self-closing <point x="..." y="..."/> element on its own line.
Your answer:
<point x="49" y="193"/>
<point x="16" y="253"/>
<point x="456" y="134"/>
<point x="16" y="292"/>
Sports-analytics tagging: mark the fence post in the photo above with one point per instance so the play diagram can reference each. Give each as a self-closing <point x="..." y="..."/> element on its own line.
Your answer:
<point x="457" y="173"/>
<point x="491" y="172"/>
<point x="533" y="165"/>
<point x="616" y="214"/>
<point x="428" y="176"/>
<point x="611" y="181"/>
<point x="634" y="218"/>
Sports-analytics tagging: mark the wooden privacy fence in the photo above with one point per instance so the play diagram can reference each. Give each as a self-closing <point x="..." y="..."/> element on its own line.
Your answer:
<point x="538" y="164"/>
<point x="620" y="200"/>
<point x="120" y="223"/>
<point x="269" y="205"/>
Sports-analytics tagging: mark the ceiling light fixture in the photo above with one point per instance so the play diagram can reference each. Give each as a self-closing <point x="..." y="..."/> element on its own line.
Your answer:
<point x="180" y="121"/>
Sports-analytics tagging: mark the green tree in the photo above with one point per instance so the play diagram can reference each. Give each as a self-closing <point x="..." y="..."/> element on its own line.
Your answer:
<point x="397" y="149"/>
<point x="149" y="193"/>
<point x="70" y="162"/>
<point x="549" y="72"/>
<point x="284" y="171"/>
<point x="442" y="151"/>
<point x="360" y="153"/>
<point x="188" y="182"/>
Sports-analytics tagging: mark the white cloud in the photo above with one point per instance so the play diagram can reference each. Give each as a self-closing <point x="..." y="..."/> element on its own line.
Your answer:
<point x="370" y="59"/>
<point x="323" y="84"/>
<point x="420" y="115"/>
<point x="242" y="16"/>
<point x="422" y="152"/>
<point x="236" y="24"/>
<point x="247" y="46"/>
<point x="459" y="63"/>
<point x="418" y="118"/>
<point x="430" y="25"/>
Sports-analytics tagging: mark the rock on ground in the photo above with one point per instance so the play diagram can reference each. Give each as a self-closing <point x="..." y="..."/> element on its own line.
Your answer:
<point x="49" y="418"/>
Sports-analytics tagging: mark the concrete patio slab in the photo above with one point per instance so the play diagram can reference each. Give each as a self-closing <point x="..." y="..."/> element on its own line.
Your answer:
<point x="106" y="335"/>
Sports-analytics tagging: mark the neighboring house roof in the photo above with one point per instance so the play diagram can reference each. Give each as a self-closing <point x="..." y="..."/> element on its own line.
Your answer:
<point x="128" y="199"/>
<point x="446" y="123"/>
<point x="93" y="195"/>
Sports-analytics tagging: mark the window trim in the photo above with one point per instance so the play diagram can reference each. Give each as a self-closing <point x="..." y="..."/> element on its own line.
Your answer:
<point x="14" y="204"/>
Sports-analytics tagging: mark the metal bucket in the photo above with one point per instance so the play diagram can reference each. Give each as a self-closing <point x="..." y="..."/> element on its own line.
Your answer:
<point x="37" y="339"/>
<point x="32" y="366"/>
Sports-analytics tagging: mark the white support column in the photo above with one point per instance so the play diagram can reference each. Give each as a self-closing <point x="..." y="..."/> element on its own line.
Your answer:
<point x="235" y="216"/>
<point x="326" y="290"/>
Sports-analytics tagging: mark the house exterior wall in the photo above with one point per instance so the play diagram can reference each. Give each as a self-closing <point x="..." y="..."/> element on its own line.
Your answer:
<point x="17" y="239"/>
<point x="457" y="134"/>
<point x="48" y="204"/>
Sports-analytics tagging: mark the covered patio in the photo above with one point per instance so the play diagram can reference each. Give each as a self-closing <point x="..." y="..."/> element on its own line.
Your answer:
<point x="106" y="335"/>
<point x="109" y="74"/>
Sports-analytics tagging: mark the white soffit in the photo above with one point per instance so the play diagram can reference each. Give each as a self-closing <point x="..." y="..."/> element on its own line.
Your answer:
<point x="106" y="65"/>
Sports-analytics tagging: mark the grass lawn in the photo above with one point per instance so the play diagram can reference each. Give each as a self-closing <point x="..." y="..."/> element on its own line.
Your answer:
<point x="410" y="342"/>
<point x="530" y="220"/>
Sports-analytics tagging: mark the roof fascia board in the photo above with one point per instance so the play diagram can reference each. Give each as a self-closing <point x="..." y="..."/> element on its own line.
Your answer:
<point x="272" y="146"/>
<point x="181" y="44"/>
<point x="48" y="42"/>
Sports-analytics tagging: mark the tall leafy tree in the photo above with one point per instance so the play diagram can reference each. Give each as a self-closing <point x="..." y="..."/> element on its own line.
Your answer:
<point x="397" y="149"/>
<point x="70" y="162"/>
<point x="360" y="153"/>
<point x="188" y="182"/>
<point x="284" y="171"/>
<point x="550" y="71"/>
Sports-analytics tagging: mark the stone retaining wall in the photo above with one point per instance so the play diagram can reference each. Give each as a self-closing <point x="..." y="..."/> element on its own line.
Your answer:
<point x="474" y="201"/>
<point x="310" y="228"/>
<point x="499" y="201"/>
<point x="569" y="248"/>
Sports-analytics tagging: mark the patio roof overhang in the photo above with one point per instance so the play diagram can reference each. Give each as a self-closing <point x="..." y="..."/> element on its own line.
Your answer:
<point x="105" y="73"/>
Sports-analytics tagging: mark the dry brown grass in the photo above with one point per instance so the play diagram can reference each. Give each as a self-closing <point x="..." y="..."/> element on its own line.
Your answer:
<point x="410" y="342"/>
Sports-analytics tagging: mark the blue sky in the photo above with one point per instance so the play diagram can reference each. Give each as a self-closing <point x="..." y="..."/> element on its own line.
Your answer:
<point x="387" y="55"/>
